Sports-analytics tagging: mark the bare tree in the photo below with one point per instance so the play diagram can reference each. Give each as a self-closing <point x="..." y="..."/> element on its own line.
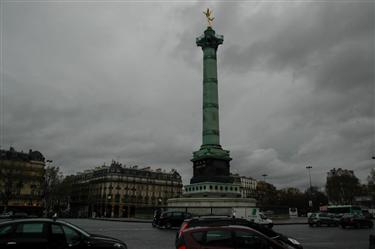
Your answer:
<point x="52" y="178"/>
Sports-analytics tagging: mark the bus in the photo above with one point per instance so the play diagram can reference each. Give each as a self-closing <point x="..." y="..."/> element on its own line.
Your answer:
<point x="344" y="209"/>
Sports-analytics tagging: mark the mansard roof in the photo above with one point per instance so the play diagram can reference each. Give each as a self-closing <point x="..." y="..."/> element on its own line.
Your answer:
<point x="12" y="154"/>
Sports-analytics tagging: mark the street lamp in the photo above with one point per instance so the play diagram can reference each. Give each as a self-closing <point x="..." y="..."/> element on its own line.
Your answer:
<point x="308" y="168"/>
<point x="264" y="177"/>
<point x="310" y="192"/>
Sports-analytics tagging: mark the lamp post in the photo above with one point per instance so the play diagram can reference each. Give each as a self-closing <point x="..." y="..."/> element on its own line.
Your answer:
<point x="310" y="195"/>
<point x="308" y="168"/>
<point x="264" y="177"/>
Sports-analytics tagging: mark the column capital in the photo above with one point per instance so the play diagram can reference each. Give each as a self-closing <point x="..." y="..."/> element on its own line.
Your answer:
<point x="209" y="39"/>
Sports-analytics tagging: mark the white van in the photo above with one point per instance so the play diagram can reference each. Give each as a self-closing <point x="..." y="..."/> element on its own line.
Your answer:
<point x="252" y="214"/>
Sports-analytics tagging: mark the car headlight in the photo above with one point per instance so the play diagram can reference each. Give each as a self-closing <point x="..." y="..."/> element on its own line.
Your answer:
<point x="295" y="242"/>
<point x="119" y="246"/>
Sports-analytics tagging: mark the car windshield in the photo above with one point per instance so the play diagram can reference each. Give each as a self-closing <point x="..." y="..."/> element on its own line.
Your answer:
<point x="263" y="216"/>
<point x="75" y="228"/>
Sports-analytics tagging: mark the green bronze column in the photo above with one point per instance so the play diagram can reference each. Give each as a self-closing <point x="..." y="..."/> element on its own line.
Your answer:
<point x="209" y="43"/>
<point x="211" y="162"/>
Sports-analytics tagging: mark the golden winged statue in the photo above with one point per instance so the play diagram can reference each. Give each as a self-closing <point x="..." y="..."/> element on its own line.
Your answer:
<point x="209" y="18"/>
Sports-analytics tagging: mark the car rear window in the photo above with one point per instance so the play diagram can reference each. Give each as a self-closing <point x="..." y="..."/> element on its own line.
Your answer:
<point x="30" y="228"/>
<point x="211" y="222"/>
<point x="198" y="237"/>
<point x="219" y="238"/>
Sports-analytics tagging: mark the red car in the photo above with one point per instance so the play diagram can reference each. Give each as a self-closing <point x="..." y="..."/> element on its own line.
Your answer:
<point x="226" y="237"/>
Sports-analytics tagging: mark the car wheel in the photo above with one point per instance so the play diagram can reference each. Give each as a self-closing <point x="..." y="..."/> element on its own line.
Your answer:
<point x="343" y="226"/>
<point x="318" y="224"/>
<point x="311" y="225"/>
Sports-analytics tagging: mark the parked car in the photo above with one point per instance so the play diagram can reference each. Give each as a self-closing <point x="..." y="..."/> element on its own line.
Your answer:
<point x="51" y="234"/>
<point x="19" y="215"/>
<point x="320" y="219"/>
<point x="226" y="237"/>
<point x="218" y="221"/>
<point x="367" y="214"/>
<point x="171" y="219"/>
<point x="355" y="220"/>
<point x="6" y="215"/>
<point x="14" y="215"/>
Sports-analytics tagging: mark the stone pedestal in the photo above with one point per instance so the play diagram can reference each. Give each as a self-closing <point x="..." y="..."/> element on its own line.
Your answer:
<point x="210" y="205"/>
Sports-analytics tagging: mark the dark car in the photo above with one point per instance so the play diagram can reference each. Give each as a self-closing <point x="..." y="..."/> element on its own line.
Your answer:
<point x="51" y="234"/>
<point x="14" y="215"/>
<point x="7" y="215"/>
<point x="171" y="219"/>
<point x="355" y="220"/>
<point x="320" y="219"/>
<point x="218" y="221"/>
<point x="226" y="237"/>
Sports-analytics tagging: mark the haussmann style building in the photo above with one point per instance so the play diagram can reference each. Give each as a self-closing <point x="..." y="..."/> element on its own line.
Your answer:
<point x="21" y="181"/>
<point x="121" y="191"/>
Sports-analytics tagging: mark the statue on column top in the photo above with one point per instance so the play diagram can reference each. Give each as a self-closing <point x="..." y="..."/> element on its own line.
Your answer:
<point x="209" y="18"/>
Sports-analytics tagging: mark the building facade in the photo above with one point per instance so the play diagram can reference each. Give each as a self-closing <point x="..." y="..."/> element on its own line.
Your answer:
<point x="120" y="191"/>
<point x="21" y="181"/>
<point x="248" y="186"/>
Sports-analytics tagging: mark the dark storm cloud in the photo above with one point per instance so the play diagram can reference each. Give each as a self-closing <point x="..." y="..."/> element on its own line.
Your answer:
<point x="88" y="83"/>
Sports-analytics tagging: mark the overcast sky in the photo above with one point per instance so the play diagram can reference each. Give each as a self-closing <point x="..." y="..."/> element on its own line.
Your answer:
<point x="85" y="82"/>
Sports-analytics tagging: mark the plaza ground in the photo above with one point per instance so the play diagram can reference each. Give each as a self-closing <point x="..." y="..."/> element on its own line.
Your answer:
<point x="140" y="235"/>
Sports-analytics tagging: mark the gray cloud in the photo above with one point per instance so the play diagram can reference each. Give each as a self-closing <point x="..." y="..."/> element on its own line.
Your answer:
<point x="88" y="83"/>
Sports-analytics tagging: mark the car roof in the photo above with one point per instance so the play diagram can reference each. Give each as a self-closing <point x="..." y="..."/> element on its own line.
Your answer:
<point x="33" y="220"/>
<point x="230" y="227"/>
<point x="27" y="220"/>
<point x="214" y="218"/>
<point x="43" y="220"/>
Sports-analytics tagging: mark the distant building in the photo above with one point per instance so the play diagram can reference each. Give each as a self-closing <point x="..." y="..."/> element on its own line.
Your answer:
<point x="120" y="191"/>
<point x="21" y="181"/>
<point x="248" y="186"/>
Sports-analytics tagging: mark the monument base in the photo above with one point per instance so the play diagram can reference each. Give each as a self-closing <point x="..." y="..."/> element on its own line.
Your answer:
<point x="210" y="205"/>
